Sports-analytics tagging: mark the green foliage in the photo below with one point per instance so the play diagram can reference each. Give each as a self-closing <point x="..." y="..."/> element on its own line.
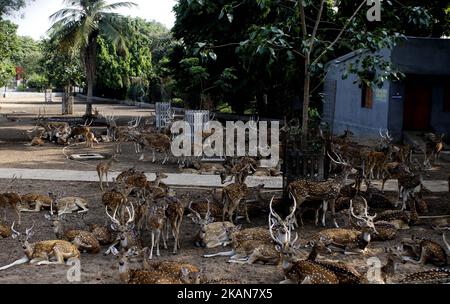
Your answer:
<point x="8" y="7"/>
<point x="60" y="68"/>
<point x="131" y="74"/>
<point x="262" y="43"/>
<point x="7" y="72"/>
<point x="38" y="82"/>
<point x="8" y="46"/>
<point x="28" y="56"/>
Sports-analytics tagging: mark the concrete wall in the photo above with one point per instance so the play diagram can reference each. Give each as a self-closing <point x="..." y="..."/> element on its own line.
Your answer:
<point x="440" y="120"/>
<point x="423" y="56"/>
<point x="348" y="112"/>
<point x="420" y="56"/>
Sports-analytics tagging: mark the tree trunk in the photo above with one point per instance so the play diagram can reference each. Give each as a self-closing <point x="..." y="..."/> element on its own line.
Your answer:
<point x="67" y="101"/>
<point x="90" y="67"/>
<point x="306" y="91"/>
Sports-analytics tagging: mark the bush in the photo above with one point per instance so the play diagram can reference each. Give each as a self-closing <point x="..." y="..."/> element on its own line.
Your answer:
<point x="38" y="82"/>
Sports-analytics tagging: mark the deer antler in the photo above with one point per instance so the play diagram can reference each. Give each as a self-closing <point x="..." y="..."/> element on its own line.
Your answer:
<point x="367" y="219"/>
<point x="13" y="230"/>
<point x="131" y="214"/>
<point x="445" y="242"/>
<point x="272" y="213"/>
<point x="195" y="212"/>
<point x="113" y="218"/>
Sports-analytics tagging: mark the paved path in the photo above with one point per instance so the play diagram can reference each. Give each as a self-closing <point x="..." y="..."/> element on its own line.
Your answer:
<point x="180" y="180"/>
<point x="172" y="180"/>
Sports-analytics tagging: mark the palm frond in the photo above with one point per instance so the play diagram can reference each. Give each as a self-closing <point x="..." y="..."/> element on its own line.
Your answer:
<point x="114" y="6"/>
<point x="65" y="12"/>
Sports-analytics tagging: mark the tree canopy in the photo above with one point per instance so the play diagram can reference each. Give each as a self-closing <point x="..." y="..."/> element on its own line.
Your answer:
<point x="257" y="54"/>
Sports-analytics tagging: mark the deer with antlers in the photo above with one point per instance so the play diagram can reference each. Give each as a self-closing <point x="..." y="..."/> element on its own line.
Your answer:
<point x="256" y="244"/>
<point x="326" y="191"/>
<point x="211" y="234"/>
<point x="127" y="236"/>
<point x="40" y="253"/>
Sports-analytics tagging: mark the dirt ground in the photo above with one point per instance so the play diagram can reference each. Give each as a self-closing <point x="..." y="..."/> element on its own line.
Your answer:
<point x="100" y="269"/>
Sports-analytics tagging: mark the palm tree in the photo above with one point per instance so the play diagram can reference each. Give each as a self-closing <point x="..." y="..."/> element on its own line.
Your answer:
<point x="77" y="27"/>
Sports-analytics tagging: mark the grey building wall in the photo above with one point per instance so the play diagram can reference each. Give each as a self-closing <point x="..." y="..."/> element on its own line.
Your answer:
<point x="420" y="56"/>
<point x="426" y="56"/>
<point x="347" y="111"/>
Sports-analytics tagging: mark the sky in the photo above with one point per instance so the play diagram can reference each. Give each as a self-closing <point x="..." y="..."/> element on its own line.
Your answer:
<point x="33" y="20"/>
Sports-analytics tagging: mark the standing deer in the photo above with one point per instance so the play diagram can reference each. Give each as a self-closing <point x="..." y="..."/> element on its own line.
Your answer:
<point x="103" y="168"/>
<point x="326" y="191"/>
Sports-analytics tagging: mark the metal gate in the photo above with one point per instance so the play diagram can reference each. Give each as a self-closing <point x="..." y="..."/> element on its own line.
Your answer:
<point x="164" y="114"/>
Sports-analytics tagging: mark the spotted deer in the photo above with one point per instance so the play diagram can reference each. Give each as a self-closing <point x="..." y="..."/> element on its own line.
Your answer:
<point x="426" y="251"/>
<point x="103" y="168"/>
<point x="102" y="234"/>
<point x="151" y="276"/>
<point x="5" y="231"/>
<point x="11" y="200"/>
<point x="156" y="219"/>
<point x="40" y="253"/>
<point x="127" y="236"/>
<point x="326" y="191"/>
<point x="35" y="202"/>
<point x="68" y="205"/>
<point x="84" y="240"/>
<point x="211" y="234"/>
<point x="233" y="195"/>
<point x="174" y="215"/>
<point x="297" y="271"/>
<point x="156" y="142"/>
<point x="434" y="276"/>
<point x="348" y="241"/>
<point x="433" y="147"/>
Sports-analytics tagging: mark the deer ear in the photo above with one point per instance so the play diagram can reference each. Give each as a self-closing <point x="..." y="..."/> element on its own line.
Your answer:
<point x="47" y="217"/>
<point x="14" y="236"/>
<point x="278" y="248"/>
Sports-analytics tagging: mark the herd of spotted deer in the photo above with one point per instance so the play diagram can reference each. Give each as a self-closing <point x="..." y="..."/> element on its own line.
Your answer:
<point x="135" y="205"/>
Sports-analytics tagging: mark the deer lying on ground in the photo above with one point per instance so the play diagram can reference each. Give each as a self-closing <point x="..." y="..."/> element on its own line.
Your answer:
<point x="256" y="244"/>
<point x="5" y="231"/>
<point x="426" y="251"/>
<point x="211" y="234"/>
<point x="84" y="240"/>
<point x="41" y="253"/>
<point x="126" y="234"/>
<point x="379" y="230"/>
<point x="35" y="202"/>
<point x="68" y="205"/>
<point x="155" y="276"/>
<point x="102" y="234"/>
